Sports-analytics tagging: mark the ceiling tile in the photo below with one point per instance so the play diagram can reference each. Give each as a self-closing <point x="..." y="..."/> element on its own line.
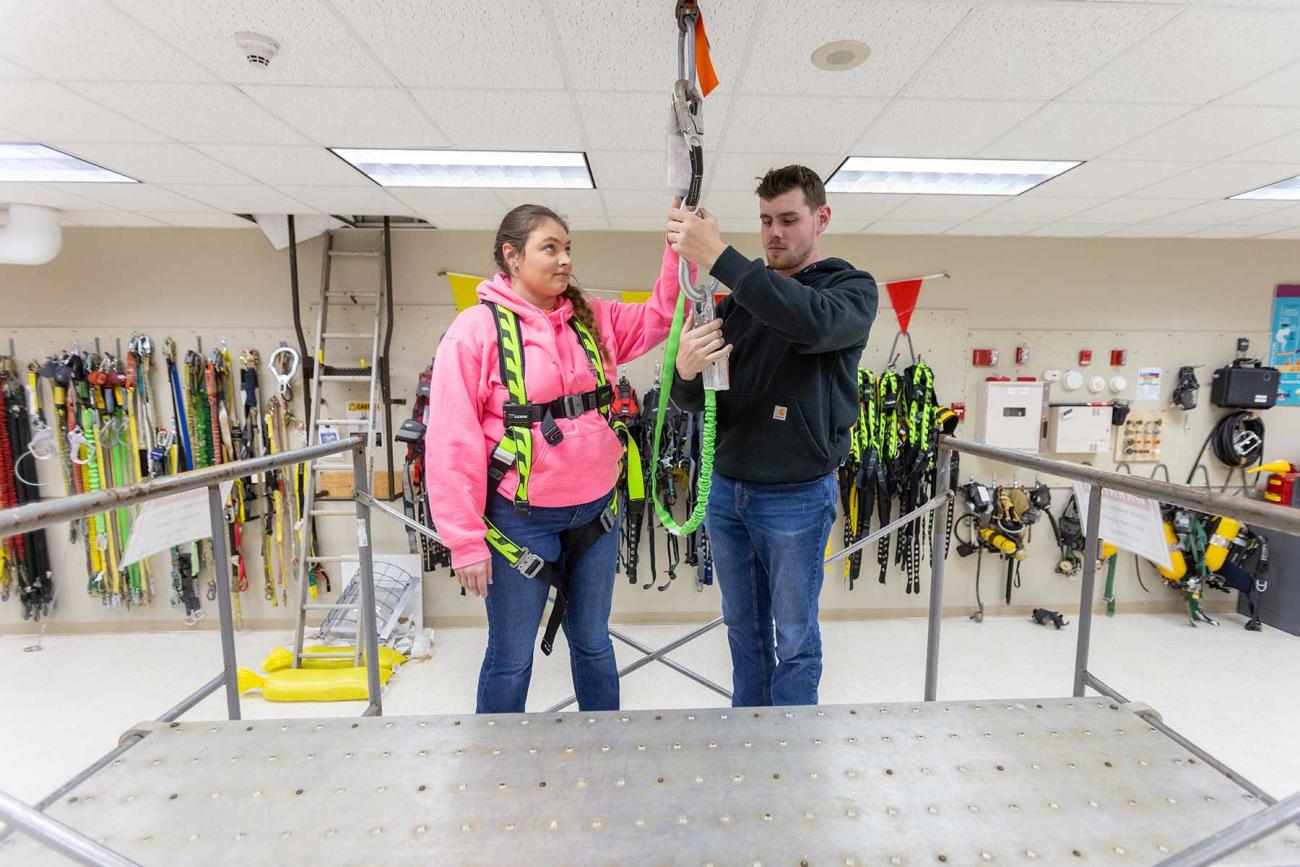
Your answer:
<point x="834" y="123"/>
<point x="444" y="202"/>
<point x="278" y="165"/>
<point x="1042" y="209"/>
<point x="111" y="219"/>
<point x="13" y="70"/>
<point x="45" y="111"/>
<point x="1150" y="230"/>
<point x="1201" y="55"/>
<point x="1024" y="51"/>
<point x="614" y="120"/>
<point x="628" y="170"/>
<point x="1129" y="211"/>
<point x="1285" y="234"/>
<point x="134" y="197"/>
<point x="636" y="203"/>
<point x="1288" y="216"/>
<point x="598" y="51"/>
<point x="982" y="228"/>
<point x="567" y="203"/>
<point x="1230" y="232"/>
<point x="1280" y="88"/>
<point x="459" y="43"/>
<point x="1109" y="178"/>
<point x="1218" y="180"/>
<point x="348" y="200"/>
<point x="901" y="36"/>
<point x="315" y="46"/>
<point x="1279" y="150"/>
<point x="863" y="206"/>
<point x="587" y="224"/>
<point x="191" y="112"/>
<point x="156" y="163"/>
<point x="731" y="204"/>
<point x="1226" y="211"/>
<point x="243" y="198"/>
<point x="1075" y="230"/>
<point x="1211" y="132"/>
<point x="361" y="117"/>
<point x="49" y="196"/>
<point x="198" y="220"/>
<point x="944" y="208"/>
<point x="835" y="227"/>
<point x="939" y="127"/>
<point x="468" y="222"/>
<point x="740" y="171"/>
<point x="89" y="39"/>
<point x="908" y="227"/>
<point x="537" y="120"/>
<point x="1080" y="130"/>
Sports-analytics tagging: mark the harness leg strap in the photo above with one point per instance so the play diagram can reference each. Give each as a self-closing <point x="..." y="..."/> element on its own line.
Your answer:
<point x="574" y="545"/>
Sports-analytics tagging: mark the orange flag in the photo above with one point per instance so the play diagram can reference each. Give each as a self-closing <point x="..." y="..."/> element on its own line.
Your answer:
<point x="708" y="79"/>
<point x="904" y="294"/>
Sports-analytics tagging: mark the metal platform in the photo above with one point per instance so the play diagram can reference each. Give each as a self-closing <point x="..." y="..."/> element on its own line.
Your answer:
<point x="1056" y="781"/>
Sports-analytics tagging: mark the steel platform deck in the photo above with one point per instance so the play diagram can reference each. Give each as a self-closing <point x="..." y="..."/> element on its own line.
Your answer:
<point x="1054" y="781"/>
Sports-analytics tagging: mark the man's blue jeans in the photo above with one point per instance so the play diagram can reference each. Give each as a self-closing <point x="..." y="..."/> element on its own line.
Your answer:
<point x="768" y="542"/>
<point x="515" y="604"/>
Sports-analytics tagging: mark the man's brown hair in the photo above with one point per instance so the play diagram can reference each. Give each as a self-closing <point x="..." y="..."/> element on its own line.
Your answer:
<point x="787" y="178"/>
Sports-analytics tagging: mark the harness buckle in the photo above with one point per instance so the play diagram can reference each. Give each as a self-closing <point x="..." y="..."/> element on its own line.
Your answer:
<point x="572" y="405"/>
<point x="517" y="414"/>
<point x="607" y="519"/>
<point x="529" y="564"/>
<point x="503" y="455"/>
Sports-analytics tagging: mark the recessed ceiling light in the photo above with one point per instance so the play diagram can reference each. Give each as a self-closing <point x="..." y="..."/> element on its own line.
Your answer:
<point x="1288" y="189"/>
<point x="447" y="168"/>
<point x="910" y="175"/>
<point x="36" y="163"/>
<point x="841" y="55"/>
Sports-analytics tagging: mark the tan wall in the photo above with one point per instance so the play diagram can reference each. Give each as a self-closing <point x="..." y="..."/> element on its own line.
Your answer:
<point x="1168" y="302"/>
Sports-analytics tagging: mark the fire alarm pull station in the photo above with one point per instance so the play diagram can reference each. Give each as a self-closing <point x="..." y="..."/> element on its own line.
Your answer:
<point x="1085" y="357"/>
<point x="984" y="358"/>
<point x="1022" y="355"/>
<point x="1118" y="357"/>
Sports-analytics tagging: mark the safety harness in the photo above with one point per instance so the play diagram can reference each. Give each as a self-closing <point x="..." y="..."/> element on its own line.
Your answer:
<point x="415" y="494"/>
<point x="516" y="450"/>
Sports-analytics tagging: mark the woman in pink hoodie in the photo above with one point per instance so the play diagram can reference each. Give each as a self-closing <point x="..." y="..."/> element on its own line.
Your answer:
<point x="572" y="476"/>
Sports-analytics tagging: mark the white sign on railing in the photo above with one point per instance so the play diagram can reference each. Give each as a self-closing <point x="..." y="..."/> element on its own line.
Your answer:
<point x="171" y="520"/>
<point x="1129" y="522"/>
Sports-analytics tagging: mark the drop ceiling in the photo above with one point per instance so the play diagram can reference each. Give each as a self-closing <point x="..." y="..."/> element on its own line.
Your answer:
<point x="1175" y="106"/>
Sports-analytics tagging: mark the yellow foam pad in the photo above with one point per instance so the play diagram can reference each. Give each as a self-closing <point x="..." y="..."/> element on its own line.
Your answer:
<point x="282" y="658"/>
<point x="311" y="684"/>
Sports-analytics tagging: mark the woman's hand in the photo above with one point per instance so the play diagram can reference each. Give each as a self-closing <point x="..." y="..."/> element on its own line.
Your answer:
<point x="700" y="347"/>
<point x="476" y="577"/>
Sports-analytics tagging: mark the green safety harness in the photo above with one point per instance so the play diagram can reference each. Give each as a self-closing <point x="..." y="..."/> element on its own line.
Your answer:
<point x="516" y="450"/>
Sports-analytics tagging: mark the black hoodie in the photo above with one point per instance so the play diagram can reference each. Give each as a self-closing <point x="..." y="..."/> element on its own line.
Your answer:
<point x="794" y="394"/>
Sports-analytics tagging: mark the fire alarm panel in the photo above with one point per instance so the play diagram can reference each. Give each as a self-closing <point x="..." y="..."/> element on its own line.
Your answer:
<point x="1078" y="429"/>
<point x="1011" y="414"/>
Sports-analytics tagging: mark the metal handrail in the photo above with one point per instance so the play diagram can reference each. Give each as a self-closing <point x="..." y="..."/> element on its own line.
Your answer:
<point x="1255" y="512"/>
<point x="35" y="516"/>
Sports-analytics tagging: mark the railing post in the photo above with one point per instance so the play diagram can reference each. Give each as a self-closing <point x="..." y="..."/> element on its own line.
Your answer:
<point x="367" y="627"/>
<point x="1092" y="545"/>
<point x="221" y="572"/>
<point x="938" y="540"/>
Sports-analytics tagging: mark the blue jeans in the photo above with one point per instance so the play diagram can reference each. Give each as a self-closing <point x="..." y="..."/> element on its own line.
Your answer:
<point x="515" y="605"/>
<point x="768" y="542"/>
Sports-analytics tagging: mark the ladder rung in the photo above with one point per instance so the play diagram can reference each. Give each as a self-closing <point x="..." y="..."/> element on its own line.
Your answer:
<point x="354" y="254"/>
<point x="342" y="293"/>
<point x="337" y="378"/>
<point x="330" y="466"/>
<point x="342" y="421"/>
<point x="346" y="335"/>
<point x="333" y="559"/>
<point x="333" y="513"/>
<point x="321" y="606"/>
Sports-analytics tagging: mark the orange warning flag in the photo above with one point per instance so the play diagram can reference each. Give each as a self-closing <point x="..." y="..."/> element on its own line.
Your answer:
<point x="708" y="79"/>
<point x="903" y="294"/>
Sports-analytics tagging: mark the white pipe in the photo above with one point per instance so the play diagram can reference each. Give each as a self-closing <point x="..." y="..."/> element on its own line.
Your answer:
<point x="33" y="236"/>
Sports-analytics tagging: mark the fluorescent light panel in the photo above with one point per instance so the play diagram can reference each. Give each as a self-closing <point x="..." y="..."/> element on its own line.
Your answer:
<point x="36" y="163"/>
<point x="1285" y="190"/>
<point x="447" y="168"/>
<point x="914" y="176"/>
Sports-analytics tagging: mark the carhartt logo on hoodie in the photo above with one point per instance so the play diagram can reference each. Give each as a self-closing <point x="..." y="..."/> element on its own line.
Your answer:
<point x="780" y="412"/>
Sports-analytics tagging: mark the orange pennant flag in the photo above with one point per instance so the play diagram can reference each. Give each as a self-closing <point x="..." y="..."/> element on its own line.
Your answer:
<point x="903" y="294"/>
<point x="708" y="79"/>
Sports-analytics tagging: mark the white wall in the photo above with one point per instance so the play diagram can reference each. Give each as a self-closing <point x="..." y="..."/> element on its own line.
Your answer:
<point x="1169" y="302"/>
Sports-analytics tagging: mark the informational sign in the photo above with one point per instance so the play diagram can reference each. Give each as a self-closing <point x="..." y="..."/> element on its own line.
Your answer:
<point x="1284" y="345"/>
<point x="169" y="521"/>
<point x="1129" y="522"/>
<point x="1148" y="384"/>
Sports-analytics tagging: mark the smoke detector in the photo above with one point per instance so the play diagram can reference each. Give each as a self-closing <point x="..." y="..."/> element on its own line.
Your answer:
<point x="258" y="49"/>
<point x="841" y="55"/>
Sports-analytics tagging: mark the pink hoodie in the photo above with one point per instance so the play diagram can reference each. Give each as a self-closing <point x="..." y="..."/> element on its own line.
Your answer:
<point x="467" y="394"/>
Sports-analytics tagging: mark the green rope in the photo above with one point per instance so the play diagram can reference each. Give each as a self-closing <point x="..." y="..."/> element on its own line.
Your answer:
<point x="707" y="436"/>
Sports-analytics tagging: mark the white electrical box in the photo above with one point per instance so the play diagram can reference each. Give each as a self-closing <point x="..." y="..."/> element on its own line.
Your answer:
<point x="1078" y="429"/>
<point x="1011" y="414"/>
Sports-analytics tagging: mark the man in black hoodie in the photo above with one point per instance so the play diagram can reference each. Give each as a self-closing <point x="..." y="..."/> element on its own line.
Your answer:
<point x="792" y="332"/>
